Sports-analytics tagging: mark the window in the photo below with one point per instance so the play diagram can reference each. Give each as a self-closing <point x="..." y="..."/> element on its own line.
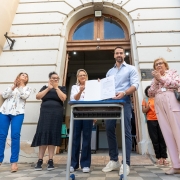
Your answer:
<point x="85" y="31"/>
<point x="105" y="28"/>
<point x="112" y="30"/>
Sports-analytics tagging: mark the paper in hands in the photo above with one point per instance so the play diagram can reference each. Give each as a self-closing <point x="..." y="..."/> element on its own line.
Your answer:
<point x="98" y="90"/>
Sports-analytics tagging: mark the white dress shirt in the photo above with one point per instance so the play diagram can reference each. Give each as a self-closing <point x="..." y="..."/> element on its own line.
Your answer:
<point x="15" y="100"/>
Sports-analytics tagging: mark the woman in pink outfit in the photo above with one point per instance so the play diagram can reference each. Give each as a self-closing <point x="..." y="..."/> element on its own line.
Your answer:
<point x="167" y="108"/>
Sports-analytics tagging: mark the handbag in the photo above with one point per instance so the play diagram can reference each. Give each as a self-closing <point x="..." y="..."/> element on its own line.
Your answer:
<point x="177" y="95"/>
<point x="1" y="100"/>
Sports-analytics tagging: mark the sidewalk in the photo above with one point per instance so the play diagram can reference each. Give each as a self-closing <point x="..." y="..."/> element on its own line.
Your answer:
<point x="26" y="172"/>
<point x="102" y="158"/>
<point x="142" y="168"/>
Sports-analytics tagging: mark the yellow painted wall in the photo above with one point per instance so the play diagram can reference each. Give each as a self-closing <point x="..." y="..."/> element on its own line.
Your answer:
<point x="7" y="11"/>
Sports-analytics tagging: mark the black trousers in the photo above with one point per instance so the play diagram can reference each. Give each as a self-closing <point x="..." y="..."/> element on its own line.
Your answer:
<point x="157" y="139"/>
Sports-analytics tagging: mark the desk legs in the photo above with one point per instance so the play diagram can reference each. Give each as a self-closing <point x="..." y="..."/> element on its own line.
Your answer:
<point x="123" y="144"/>
<point x="70" y="146"/>
<point x="71" y="139"/>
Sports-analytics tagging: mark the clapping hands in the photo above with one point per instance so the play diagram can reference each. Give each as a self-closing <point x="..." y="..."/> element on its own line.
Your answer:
<point x="17" y="83"/>
<point x="53" y="84"/>
<point x="50" y="85"/>
<point x="81" y="88"/>
<point x="156" y="74"/>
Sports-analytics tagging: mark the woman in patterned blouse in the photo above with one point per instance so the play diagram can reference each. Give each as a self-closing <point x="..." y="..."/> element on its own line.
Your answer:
<point x="167" y="108"/>
<point x="12" y="113"/>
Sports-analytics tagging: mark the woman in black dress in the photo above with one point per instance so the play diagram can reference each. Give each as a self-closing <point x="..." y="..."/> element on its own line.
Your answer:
<point x="48" y="132"/>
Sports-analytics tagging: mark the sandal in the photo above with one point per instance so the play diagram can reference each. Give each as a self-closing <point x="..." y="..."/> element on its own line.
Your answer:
<point x="172" y="171"/>
<point x="160" y="162"/>
<point x="14" y="167"/>
<point x="165" y="162"/>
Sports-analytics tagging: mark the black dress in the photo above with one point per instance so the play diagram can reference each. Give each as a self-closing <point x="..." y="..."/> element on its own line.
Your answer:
<point x="49" y="126"/>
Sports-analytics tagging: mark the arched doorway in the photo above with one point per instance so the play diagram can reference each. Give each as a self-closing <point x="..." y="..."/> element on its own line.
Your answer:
<point x="90" y="46"/>
<point x="92" y="41"/>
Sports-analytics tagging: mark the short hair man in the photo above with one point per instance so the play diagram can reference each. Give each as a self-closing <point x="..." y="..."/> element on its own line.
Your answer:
<point x="126" y="82"/>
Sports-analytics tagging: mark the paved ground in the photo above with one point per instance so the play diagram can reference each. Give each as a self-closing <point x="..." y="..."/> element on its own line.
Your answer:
<point x="26" y="172"/>
<point x="142" y="168"/>
<point x="102" y="158"/>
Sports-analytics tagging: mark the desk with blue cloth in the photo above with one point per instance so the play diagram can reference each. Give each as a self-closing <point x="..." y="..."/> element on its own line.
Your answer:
<point x="86" y="110"/>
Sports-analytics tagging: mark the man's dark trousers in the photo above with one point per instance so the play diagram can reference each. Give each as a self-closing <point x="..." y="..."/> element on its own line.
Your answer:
<point x="111" y="135"/>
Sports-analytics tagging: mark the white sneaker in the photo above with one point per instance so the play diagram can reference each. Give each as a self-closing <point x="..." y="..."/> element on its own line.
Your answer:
<point x="71" y="169"/>
<point x="112" y="165"/>
<point x="127" y="170"/>
<point x="86" y="169"/>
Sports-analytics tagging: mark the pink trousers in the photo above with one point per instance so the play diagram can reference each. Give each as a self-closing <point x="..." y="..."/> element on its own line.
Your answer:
<point x="168" y="113"/>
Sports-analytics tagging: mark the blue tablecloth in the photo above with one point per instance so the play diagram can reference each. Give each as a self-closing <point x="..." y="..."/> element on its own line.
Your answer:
<point x="107" y="101"/>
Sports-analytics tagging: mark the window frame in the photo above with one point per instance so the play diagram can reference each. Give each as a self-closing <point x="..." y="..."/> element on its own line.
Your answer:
<point x="98" y="28"/>
<point x="108" y="44"/>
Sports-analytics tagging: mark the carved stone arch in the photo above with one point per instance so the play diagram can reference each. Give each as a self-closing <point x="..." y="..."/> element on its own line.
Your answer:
<point x="121" y="14"/>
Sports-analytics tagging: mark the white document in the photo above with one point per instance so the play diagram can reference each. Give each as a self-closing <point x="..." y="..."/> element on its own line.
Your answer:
<point x="98" y="90"/>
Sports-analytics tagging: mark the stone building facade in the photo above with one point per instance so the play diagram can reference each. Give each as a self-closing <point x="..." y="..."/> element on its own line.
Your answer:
<point x="42" y="30"/>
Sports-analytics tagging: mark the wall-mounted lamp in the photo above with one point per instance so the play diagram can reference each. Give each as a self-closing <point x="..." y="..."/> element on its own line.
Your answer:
<point x="127" y="53"/>
<point x="97" y="13"/>
<point x="74" y="53"/>
<point x="12" y="41"/>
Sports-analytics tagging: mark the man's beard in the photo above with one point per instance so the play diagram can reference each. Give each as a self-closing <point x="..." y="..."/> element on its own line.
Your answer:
<point x="120" y="60"/>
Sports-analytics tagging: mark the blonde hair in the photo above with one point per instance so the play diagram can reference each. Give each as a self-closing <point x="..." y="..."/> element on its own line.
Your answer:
<point x="77" y="74"/>
<point x="164" y="61"/>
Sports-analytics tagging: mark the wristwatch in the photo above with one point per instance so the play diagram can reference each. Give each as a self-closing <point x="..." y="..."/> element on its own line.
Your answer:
<point x="124" y="92"/>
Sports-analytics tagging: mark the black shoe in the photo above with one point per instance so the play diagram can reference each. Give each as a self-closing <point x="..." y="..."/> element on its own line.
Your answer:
<point x="50" y="165"/>
<point x="38" y="166"/>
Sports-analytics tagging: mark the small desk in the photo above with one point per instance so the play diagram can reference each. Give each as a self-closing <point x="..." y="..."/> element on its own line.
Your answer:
<point x="105" y="109"/>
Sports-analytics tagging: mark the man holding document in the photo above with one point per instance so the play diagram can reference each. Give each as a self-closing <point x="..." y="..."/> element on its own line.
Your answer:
<point x="126" y="82"/>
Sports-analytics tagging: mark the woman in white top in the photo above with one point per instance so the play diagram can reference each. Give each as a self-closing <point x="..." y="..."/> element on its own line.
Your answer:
<point x="81" y="126"/>
<point x="12" y="113"/>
